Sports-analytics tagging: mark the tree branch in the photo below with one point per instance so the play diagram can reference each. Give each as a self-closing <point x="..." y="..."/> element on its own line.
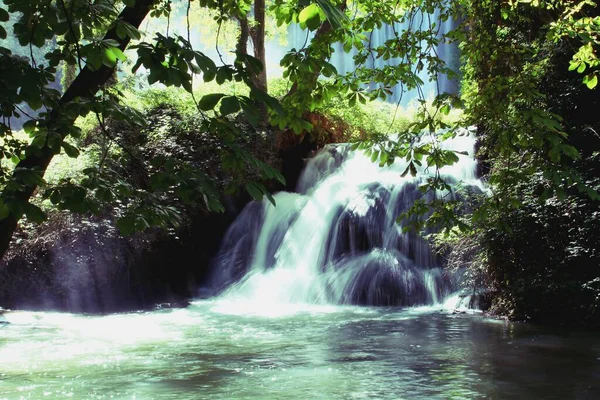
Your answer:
<point x="87" y="83"/>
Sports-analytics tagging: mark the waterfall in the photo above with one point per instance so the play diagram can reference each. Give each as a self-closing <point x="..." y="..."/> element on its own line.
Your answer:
<point x="336" y="241"/>
<point x="448" y="52"/>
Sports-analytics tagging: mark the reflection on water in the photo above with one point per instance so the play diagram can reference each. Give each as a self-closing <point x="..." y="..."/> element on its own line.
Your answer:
<point x="210" y="351"/>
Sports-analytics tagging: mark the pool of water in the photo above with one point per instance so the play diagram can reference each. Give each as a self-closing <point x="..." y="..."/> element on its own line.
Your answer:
<point x="240" y="350"/>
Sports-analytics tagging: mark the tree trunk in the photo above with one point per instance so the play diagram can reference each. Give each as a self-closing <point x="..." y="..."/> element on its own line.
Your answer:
<point x="86" y="84"/>
<point x="242" y="42"/>
<point x="69" y="75"/>
<point x="257" y="34"/>
<point x="324" y="29"/>
<point x="258" y="79"/>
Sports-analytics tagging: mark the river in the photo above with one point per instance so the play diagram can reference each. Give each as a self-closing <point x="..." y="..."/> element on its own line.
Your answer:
<point x="226" y="349"/>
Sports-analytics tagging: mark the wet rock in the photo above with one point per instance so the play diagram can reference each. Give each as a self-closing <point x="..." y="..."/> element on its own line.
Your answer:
<point x="474" y="300"/>
<point x="91" y="268"/>
<point x="383" y="278"/>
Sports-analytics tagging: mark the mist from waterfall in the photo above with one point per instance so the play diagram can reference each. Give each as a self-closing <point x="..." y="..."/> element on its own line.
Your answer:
<point x="337" y="241"/>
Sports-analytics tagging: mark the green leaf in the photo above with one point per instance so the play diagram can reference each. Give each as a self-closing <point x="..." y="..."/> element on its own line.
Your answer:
<point x="35" y="103"/>
<point x="333" y="14"/>
<point x="29" y="126"/>
<point x="348" y="45"/>
<point x="121" y="31"/>
<point x="118" y="53"/>
<point x="271" y="198"/>
<point x="269" y="100"/>
<point x="571" y="152"/>
<point x="94" y="59"/>
<point x="213" y="204"/>
<point x="406" y="171"/>
<point x="224" y="73"/>
<point x="39" y="140"/>
<point x="132" y="31"/>
<point x="34" y="213"/>
<point x="209" y="101"/>
<point x="129" y="3"/>
<point x="250" y="112"/>
<point x="137" y="65"/>
<point x="310" y="17"/>
<point x="187" y="85"/>
<point x="573" y="65"/>
<point x="229" y="105"/>
<point x="591" y="80"/>
<point x="110" y="43"/>
<point x="413" y="169"/>
<point x="375" y="156"/>
<point x="254" y="191"/>
<point x="127" y="225"/>
<point x="2" y="33"/>
<point x="70" y="150"/>
<point x="208" y="67"/>
<point x="254" y="63"/>
<point x="109" y="58"/>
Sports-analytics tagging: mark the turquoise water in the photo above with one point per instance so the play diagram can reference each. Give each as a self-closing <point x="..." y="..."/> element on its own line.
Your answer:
<point x="229" y="350"/>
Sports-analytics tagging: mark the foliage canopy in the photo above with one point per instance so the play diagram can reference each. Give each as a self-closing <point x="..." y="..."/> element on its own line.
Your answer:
<point x="93" y="38"/>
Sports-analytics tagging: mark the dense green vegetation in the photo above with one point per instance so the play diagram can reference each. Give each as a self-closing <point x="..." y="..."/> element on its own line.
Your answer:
<point x="536" y="246"/>
<point x="147" y="156"/>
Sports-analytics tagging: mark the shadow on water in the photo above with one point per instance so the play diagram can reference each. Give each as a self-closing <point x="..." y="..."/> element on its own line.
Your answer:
<point x="459" y="356"/>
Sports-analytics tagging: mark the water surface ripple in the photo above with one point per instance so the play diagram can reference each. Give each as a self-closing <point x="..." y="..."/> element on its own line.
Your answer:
<point x="222" y="350"/>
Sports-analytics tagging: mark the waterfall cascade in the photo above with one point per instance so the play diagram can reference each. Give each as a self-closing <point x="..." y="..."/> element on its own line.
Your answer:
<point x="448" y="52"/>
<point x="337" y="240"/>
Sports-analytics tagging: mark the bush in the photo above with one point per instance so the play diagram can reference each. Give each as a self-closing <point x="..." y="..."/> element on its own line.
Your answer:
<point x="546" y="268"/>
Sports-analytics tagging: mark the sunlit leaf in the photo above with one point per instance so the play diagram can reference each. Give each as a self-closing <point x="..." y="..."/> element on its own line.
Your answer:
<point x="209" y="101"/>
<point x="310" y="17"/>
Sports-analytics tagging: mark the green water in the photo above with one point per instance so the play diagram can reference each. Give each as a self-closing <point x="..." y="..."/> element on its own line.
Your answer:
<point x="217" y="350"/>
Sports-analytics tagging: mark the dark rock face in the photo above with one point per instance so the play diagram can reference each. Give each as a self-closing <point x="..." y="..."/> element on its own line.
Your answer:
<point x="232" y="260"/>
<point x="480" y="300"/>
<point x="293" y="160"/>
<point x="354" y="233"/>
<point x="546" y="271"/>
<point x="384" y="281"/>
<point x="384" y="278"/>
<point x="86" y="266"/>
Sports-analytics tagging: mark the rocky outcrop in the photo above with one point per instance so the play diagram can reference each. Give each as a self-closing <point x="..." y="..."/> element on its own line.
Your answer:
<point x="85" y="265"/>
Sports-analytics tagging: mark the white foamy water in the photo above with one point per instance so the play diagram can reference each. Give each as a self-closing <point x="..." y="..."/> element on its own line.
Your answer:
<point x="337" y="240"/>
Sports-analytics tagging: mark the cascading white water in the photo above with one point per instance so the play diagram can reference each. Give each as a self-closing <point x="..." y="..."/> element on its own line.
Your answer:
<point x="337" y="240"/>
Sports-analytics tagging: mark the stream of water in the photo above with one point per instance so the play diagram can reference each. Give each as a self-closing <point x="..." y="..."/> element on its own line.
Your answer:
<point x="226" y="350"/>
